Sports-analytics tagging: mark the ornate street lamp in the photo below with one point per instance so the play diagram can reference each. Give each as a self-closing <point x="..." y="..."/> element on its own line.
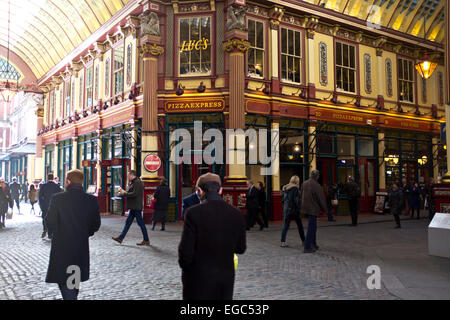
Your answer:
<point x="7" y="91"/>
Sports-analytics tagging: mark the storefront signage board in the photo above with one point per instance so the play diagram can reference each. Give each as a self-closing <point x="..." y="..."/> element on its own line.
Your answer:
<point x="194" y="105"/>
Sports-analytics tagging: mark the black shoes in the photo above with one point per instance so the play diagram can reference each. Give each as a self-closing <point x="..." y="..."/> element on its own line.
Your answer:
<point x="309" y="251"/>
<point x="315" y="247"/>
<point x="397" y="227"/>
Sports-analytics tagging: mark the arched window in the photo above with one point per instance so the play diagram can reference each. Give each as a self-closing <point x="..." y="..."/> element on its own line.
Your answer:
<point x="8" y="72"/>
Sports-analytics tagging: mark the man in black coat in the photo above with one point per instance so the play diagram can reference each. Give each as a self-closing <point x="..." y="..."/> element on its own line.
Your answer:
<point x="396" y="203"/>
<point x="46" y="192"/>
<point x="213" y="232"/>
<point x="135" y="203"/>
<point x="15" y="190"/>
<point x="73" y="217"/>
<point x="252" y="206"/>
<point x="189" y="201"/>
<point x="25" y="186"/>
<point x="353" y="192"/>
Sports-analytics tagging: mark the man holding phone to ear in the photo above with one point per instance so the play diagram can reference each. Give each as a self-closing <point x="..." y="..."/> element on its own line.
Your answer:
<point x="135" y="199"/>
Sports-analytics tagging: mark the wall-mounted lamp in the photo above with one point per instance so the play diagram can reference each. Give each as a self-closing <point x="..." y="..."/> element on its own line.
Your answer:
<point x="105" y="106"/>
<point x="180" y="90"/>
<point x="422" y="161"/>
<point x="334" y="99"/>
<point x="201" y="88"/>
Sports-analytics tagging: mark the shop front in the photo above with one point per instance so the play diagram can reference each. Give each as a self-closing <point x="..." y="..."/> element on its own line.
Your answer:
<point x="48" y="159"/>
<point x="87" y="160"/>
<point x="64" y="159"/>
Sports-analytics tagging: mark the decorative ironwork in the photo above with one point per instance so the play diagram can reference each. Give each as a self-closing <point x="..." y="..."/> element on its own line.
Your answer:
<point x="368" y="73"/>
<point x="323" y="64"/>
<point x="389" y="88"/>
<point x="8" y="72"/>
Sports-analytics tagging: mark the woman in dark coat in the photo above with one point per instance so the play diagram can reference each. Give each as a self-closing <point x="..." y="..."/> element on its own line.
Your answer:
<point x="5" y="202"/>
<point x="414" y="199"/>
<point x="161" y="196"/>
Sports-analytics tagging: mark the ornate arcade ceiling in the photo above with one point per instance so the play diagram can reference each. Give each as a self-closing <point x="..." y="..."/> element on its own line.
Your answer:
<point x="43" y="32"/>
<point x="408" y="16"/>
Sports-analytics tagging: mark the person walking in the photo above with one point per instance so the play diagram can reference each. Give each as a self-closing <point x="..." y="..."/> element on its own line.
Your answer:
<point x="262" y="203"/>
<point x="5" y="202"/>
<point x="189" y="201"/>
<point x="312" y="201"/>
<point x="46" y="192"/>
<point x="353" y="192"/>
<point x="135" y="199"/>
<point x="162" y="196"/>
<point x="429" y="199"/>
<point x="32" y="195"/>
<point x="213" y="232"/>
<point x="332" y="198"/>
<point x="15" y="189"/>
<point x="291" y="209"/>
<point x="396" y="203"/>
<point x="73" y="217"/>
<point x="405" y="188"/>
<point x="252" y="205"/>
<point x="25" y="187"/>
<point x="414" y="200"/>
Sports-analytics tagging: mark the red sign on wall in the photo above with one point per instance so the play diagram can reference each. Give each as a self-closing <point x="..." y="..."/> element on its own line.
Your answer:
<point x="152" y="163"/>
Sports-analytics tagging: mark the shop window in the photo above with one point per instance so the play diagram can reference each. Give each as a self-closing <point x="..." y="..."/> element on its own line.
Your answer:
<point x="52" y="106"/>
<point x="89" y="87"/>
<point x="256" y="51"/>
<point x="406" y="80"/>
<point x="117" y="146"/>
<point x="97" y="78"/>
<point x="291" y="56"/>
<point x="346" y="149"/>
<point x="365" y="147"/>
<point x="195" y="46"/>
<point x="119" y="53"/>
<point x="129" y="63"/>
<point x="325" y="143"/>
<point x="291" y="147"/>
<point x="345" y="67"/>
<point x="408" y="150"/>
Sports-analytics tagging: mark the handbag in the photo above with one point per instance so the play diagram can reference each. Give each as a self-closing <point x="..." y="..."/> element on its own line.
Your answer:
<point x="334" y="202"/>
<point x="152" y="203"/>
<point x="9" y="214"/>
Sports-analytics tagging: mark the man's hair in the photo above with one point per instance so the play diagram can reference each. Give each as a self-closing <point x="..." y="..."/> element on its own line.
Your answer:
<point x="210" y="186"/>
<point x="163" y="181"/>
<point x="315" y="174"/>
<point x="75" y="176"/>
<point x="351" y="179"/>
<point x="14" y="179"/>
<point x="50" y="177"/>
<point x="133" y="172"/>
<point x="250" y="181"/>
<point x="261" y="184"/>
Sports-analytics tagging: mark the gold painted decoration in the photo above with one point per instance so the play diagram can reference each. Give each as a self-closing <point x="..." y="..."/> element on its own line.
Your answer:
<point x="236" y="44"/>
<point x="149" y="49"/>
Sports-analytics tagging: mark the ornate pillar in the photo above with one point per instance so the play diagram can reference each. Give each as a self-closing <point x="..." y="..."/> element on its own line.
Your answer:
<point x="311" y="25"/>
<point x="150" y="50"/>
<point x="55" y="160"/>
<point x="75" y="153"/>
<point x="380" y="74"/>
<point x="435" y="159"/>
<point x="39" y="162"/>
<point x="446" y="178"/>
<point x="276" y="13"/>
<point x="382" y="166"/>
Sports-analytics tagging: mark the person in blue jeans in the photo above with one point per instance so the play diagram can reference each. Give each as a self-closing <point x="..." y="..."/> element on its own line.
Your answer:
<point x="291" y="209"/>
<point x="134" y="195"/>
<point x="312" y="200"/>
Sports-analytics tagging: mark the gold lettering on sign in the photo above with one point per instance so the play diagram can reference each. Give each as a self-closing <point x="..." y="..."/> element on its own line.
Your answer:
<point x="201" y="44"/>
<point x="410" y="125"/>
<point x="216" y="105"/>
<point x="347" y="117"/>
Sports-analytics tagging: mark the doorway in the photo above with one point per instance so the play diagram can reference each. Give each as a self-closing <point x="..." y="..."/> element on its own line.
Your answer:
<point x="367" y="184"/>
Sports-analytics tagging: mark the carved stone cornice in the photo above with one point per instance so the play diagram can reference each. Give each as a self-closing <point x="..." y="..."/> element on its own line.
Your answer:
<point x="40" y="112"/>
<point x="101" y="48"/>
<point x="231" y="45"/>
<point x="151" y="49"/>
<point x="135" y="24"/>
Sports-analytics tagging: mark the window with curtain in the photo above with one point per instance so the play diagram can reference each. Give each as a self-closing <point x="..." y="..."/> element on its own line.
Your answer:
<point x="119" y="63"/>
<point x="291" y="55"/>
<point x="345" y="67"/>
<point x="255" y="55"/>
<point x="406" y="80"/>
<point x="195" y="46"/>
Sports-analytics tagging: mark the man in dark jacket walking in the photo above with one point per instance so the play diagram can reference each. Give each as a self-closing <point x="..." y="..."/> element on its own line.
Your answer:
<point x="46" y="192"/>
<point x="313" y="199"/>
<point x="353" y="192"/>
<point x="25" y="186"/>
<point x="72" y="218"/>
<point x="396" y="203"/>
<point x="162" y="197"/>
<point x="15" y="190"/>
<point x="252" y="205"/>
<point x="189" y="201"/>
<point x="135" y="199"/>
<point x="213" y="232"/>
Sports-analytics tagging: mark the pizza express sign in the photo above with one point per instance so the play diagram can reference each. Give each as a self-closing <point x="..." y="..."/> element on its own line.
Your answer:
<point x="195" y="105"/>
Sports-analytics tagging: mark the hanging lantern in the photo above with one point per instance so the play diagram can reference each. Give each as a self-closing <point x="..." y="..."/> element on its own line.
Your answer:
<point x="426" y="67"/>
<point x="7" y="92"/>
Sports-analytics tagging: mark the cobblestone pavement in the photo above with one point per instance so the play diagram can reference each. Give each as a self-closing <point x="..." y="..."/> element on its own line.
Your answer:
<point x="266" y="271"/>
